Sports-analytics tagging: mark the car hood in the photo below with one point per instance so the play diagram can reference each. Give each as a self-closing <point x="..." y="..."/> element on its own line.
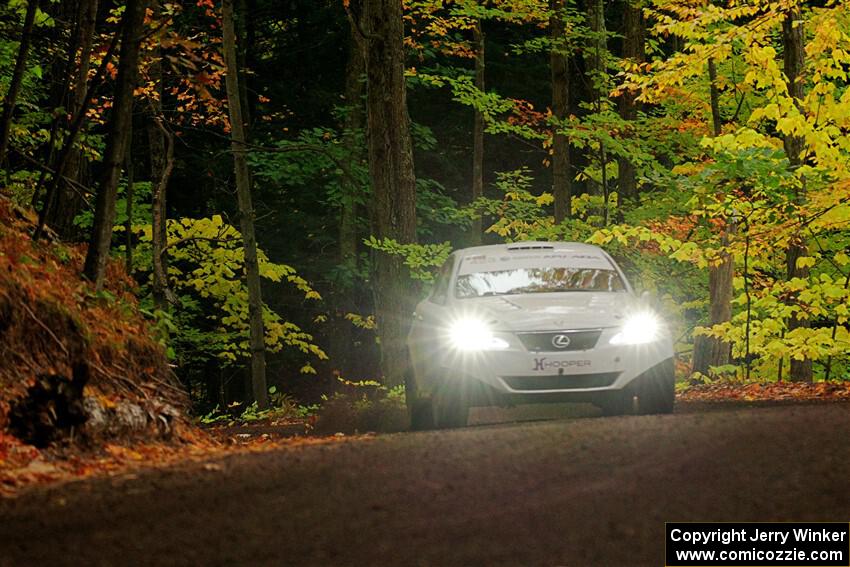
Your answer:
<point x="554" y="311"/>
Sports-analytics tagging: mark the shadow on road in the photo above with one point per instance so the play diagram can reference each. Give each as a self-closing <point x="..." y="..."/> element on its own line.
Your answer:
<point x="530" y="412"/>
<point x="545" y="412"/>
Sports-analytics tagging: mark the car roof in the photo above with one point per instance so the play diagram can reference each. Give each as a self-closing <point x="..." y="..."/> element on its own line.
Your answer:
<point x="529" y="246"/>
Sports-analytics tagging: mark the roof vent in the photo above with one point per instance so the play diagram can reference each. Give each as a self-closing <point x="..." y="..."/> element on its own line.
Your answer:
<point x="531" y="247"/>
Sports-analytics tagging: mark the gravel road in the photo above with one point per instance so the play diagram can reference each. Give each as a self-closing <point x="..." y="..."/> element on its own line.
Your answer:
<point x="572" y="492"/>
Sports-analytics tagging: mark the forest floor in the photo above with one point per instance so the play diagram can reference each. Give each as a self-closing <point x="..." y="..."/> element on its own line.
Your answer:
<point x="766" y="392"/>
<point x="24" y="467"/>
<point x="584" y="491"/>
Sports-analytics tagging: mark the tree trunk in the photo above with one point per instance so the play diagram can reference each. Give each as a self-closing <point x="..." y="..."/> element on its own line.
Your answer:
<point x="128" y="225"/>
<point x="68" y="199"/>
<point x="477" y="136"/>
<point x="73" y="130"/>
<point x="162" y="295"/>
<point x="794" y="55"/>
<point x="340" y="340"/>
<point x="710" y="351"/>
<point x="17" y="78"/>
<point x="158" y="160"/>
<point x="597" y="71"/>
<point x="634" y="51"/>
<point x="61" y="67"/>
<point x="558" y="61"/>
<point x="393" y="181"/>
<point x="244" y="57"/>
<point x="716" y="118"/>
<point x="161" y="149"/>
<point x="352" y="140"/>
<point x="246" y="209"/>
<point x="116" y="145"/>
<point x="597" y="49"/>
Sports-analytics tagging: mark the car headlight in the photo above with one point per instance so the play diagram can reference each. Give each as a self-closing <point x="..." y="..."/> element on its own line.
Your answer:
<point x="471" y="334"/>
<point x="639" y="329"/>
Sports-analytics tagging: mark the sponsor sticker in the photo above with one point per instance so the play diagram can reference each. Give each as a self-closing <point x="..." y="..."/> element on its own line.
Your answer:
<point x="545" y="363"/>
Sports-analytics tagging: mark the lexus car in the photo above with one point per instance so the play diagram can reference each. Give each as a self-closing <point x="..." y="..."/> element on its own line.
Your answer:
<point x="535" y="322"/>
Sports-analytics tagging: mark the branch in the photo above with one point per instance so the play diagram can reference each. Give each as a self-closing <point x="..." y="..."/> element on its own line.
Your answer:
<point x="828" y="259"/>
<point x="81" y="189"/>
<point x="180" y="241"/>
<point x="738" y="108"/>
<point x="45" y="327"/>
<point x="804" y="222"/>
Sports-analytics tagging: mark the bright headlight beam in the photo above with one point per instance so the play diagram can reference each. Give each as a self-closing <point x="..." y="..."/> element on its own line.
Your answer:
<point x="639" y="329"/>
<point x="472" y="334"/>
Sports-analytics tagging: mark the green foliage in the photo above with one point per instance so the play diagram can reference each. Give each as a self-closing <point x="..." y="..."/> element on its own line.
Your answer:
<point x="30" y="129"/>
<point x="362" y="407"/>
<point x="496" y="110"/>
<point x="317" y="156"/>
<point x="421" y="259"/>
<point x="207" y="262"/>
<point x="205" y="270"/>
<point x="362" y="322"/>
<point x="282" y="408"/>
<point x="142" y="191"/>
<point x="435" y="211"/>
<point x="752" y="187"/>
<point x="521" y="215"/>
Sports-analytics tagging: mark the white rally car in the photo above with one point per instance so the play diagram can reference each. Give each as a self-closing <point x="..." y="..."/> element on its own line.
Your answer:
<point x="535" y="322"/>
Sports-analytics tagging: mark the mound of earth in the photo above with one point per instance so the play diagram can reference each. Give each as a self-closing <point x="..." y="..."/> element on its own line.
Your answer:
<point x="77" y="366"/>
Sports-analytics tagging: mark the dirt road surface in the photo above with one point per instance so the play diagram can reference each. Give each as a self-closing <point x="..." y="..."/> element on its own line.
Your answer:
<point x="572" y="492"/>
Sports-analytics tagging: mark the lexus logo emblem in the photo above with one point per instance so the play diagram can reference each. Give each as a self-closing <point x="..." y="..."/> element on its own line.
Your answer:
<point x="561" y="341"/>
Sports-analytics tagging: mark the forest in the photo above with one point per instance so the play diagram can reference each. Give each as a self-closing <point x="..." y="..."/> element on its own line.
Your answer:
<point x="268" y="187"/>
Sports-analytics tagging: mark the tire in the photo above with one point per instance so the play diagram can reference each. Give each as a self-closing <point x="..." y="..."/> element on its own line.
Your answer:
<point x="420" y="409"/>
<point x="656" y="389"/>
<point x="421" y="414"/>
<point x="617" y="403"/>
<point x="450" y="406"/>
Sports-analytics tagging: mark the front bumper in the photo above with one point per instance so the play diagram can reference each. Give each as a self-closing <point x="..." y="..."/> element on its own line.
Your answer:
<point x="518" y="375"/>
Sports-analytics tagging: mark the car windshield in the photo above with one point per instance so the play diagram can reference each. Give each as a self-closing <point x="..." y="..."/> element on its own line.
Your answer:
<point x="537" y="280"/>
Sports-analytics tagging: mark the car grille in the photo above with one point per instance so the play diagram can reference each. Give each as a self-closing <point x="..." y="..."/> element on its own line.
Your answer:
<point x="543" y="342"/>
<point x="561" y="381"/>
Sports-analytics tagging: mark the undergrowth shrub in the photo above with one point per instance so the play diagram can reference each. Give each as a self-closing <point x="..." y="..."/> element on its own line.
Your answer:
<point x="362" y="407"/>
